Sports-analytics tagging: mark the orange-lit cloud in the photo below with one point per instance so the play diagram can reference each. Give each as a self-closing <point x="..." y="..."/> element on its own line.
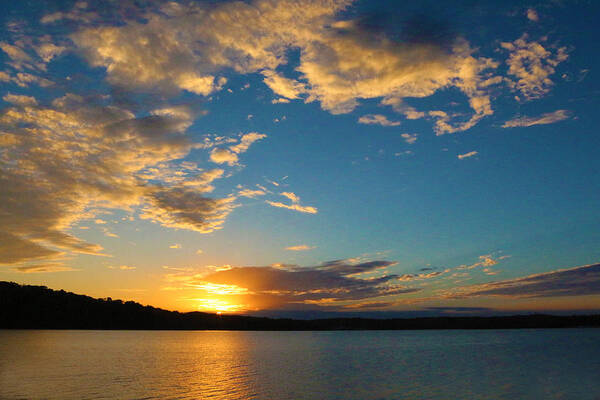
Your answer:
<point x="301" y="247"/>
<point x="467" y="155"/>
<point x="377" y="119"/>
<point x="532" y="64"/>
<point x="296" y="206"/>
<point x="197" y="43"/>
<point x="62" y="158"/>
<point x="43" y="268"/>
<point x="284" y="286"/>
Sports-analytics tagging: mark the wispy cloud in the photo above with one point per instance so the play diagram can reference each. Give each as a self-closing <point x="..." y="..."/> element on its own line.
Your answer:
<point x="43" y="268"/>
<point x="300" y="247"/>
<point x="122" y="267"/>
<point x="377" y="119"/>
<point x="544" y="119"/>
<point x="296" y="206"/>
<point x="577" y="281"/>
<point x="467" y="155"/>
<point x="409" y="138"/>
<point x="486" y="260"/>
<point x="251" y="193"/>
<point x="532" y="15"/>
<point x="229" y="155"/>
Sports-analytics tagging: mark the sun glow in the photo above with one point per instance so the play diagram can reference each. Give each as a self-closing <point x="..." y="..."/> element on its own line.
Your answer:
<point x="221" y="289"/>
<point x="217" y="305"/>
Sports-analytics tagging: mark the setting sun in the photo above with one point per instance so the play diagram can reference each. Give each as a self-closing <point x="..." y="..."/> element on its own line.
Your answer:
<point x="216" y="305"/>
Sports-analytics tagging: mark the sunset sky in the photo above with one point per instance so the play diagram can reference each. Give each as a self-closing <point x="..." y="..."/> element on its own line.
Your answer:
<point x="273" y="156"/>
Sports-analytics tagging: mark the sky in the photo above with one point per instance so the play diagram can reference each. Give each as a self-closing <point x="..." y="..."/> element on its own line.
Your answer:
<point x="308" y="156"/>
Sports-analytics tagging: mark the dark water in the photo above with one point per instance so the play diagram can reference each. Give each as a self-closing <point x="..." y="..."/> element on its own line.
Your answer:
<point x="365" y="365"/>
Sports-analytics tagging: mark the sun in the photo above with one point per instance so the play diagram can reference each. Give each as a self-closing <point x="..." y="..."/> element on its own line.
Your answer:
<point x="218" y="306"/>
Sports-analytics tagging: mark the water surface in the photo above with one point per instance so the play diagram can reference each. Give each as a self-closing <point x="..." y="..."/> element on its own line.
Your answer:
<point x="361" y="365"/>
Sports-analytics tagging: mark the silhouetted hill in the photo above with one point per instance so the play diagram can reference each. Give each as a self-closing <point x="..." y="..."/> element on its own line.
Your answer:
<point x="37" y="307"/>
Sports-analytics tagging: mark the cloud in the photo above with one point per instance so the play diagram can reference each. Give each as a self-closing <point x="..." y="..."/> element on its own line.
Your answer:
<point x="429" y="275"/>
<point x="295" y="207"/>
<point x="251" y="193"/>
<point x="295" y="204"/>
<point x="292" y="286"/>
<point x="47" y="51"/>
<point x="70" y="160"/>
<point x="15" y="249"/>
<point x="544" y="119"/>
<point x="129" y="55"/>
<point x="577" y="281"/>
<point x="532" y="64"/>
<point x="486" y="260"/>
<point x="189" y="46"/>
<point x="532" y="15"/>
<point x="291" y="196"/>
<point x="175" y="246"/>
<point x="230" y="155"/>
<point x="43" y="268"/>
<point x="187" y="209"/>
<point x="122" y="267"/>
<point x="24" y="79"/>
<point x="20" y="99"/>
<point x="223" y="156"/>
<point x="245" y="141"/>
<point x="409" y="138"/>
<point x="467" y="155"/>
<point x="18" y="57"/>
<point x="203" y="181"/>
<point x="301" y="247"/>
<point x="377" y="119"/>
<point x="369" y="305"/>
<point x="108" y="233"/>
<point x="284" y="87"/>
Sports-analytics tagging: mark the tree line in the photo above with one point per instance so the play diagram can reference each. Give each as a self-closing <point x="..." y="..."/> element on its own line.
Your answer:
<point x="38" y="307"/>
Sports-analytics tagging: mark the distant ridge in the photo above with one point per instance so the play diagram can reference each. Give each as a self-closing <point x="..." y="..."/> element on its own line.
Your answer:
<point x="38" y="307"/>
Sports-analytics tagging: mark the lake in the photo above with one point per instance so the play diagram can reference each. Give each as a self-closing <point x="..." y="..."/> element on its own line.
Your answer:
<point x="365" y="365"/>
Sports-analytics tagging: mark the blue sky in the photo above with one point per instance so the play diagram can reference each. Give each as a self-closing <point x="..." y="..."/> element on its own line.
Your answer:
<point x="307" y="155"/>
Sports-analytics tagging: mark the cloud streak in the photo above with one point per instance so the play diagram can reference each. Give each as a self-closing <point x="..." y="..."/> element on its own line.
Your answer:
<point x="467" y="155"/>
<point x="295" y="206"/>
<point x="377" y="119"/>
<point x="544" y="119"/>
<point x="577" y="281"/>
<point x="301" y="247"/>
